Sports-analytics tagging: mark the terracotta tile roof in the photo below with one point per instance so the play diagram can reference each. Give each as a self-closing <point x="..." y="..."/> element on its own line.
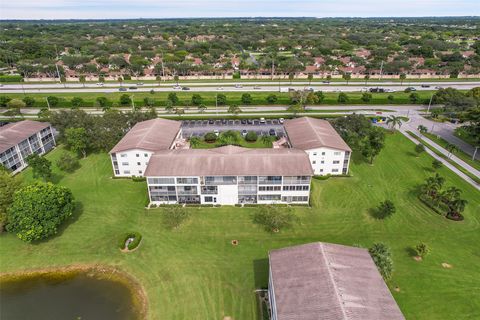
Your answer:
<point x="152" y="135"/>
<point x="323" y="281"/>
<point x="13" y="133"/>
<point x="229" y="161"/>
<point x="309" y="133"/>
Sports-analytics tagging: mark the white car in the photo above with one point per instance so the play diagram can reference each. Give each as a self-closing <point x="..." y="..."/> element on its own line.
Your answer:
<point x="262" y="120"/>
<point x="100" y="84"/>
<point x="220" y="88"/>
<point x="217" y="133"/>
<point x="177" y="87"/>
<point x="281" y="120"/>
<point x="238" y="86"/>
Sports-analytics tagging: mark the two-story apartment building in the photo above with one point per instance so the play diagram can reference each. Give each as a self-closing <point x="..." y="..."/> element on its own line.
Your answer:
<point x="229" y="175"/>
<point x="18" y="140"/>
<point x="327" y="281"/>
<point x="130" y="156"/>
<point x="327" y="151"/>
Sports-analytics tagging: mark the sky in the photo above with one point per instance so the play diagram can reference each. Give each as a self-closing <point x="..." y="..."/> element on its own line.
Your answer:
<point x="112" y="9"/>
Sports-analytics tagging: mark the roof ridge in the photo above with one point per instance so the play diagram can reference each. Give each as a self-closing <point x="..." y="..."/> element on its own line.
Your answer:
<point x="315" y="131"/>
<point x="337" y="293"/>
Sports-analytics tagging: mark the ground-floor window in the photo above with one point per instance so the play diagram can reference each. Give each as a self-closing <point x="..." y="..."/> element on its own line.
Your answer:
<point x="295" y="199"/>
<point x="247" y="199"/>
<point x="189" y="199"/>
<point x="269" y="197"/>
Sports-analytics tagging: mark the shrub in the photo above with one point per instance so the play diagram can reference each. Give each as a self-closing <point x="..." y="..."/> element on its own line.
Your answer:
<point x="422" y="249"/>
<point x="251" y="136"/>
<point x="38" y="210"/>
<point x="11" y="78"/>
<point x="436" y="164"/>
<point x="381" y="255"/>
<point x="197" y="99"/>
<point x="247" y="98"/>
<point x="125" y="99"/>
<point x="67" y="162"/>
<point x="210" y="137"/>
<point x="385" y="209"/>
<point x="4" y="100"/>
<point x="366" y="97"/>
<point x="138" y="179"/>
<point x="272" y="98"/>
<point x="29" y="101"/>
<point x="419" y="148"/>
<point x="173" y="217"/>
<point x="272" y="218"/>
<point x="16" y="103"/>
<point x="137" y="237"/>
<point x="342" y="97"/>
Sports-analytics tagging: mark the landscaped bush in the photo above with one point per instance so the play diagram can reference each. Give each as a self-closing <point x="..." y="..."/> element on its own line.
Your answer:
<point x="385" y="209"/>
<point x="210" y="137"/>
<point x="381" y="255"/>
<point x="422" y="249"/>
<point x="138" y="179"/>
<point x="273" y="218"/>
<point x="137" y="237"/>
<point x="251" y="136"/>
<point x="173" y="217"/>
<point x="11" y="78"/>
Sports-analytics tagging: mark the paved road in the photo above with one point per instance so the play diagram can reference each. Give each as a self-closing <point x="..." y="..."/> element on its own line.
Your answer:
<point x="222" y="87"/>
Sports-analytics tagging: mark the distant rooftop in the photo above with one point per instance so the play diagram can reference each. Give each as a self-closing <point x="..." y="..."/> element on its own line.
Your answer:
<point x="13" y="133"/>
<point x="151" y="135"/>
<point x="229" y="160"/>
<point x="323" y="281"/>
<point x="309" y="133"/>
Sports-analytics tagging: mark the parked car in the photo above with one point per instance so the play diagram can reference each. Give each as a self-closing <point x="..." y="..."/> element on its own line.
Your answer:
<point x="243" y="121"/>
<point x="210" y="121"/>
<point x="224" y="121"/>
<point x="272" y="132"/>
<point x="281" y="120"/>
<point x="262" y="120"/>
<point x="217" y="133"/>
<point x="244" y="132"/>
<point x="122" y="89"/>
<point x="249" y="121"/>
<point x="185" y="88"/>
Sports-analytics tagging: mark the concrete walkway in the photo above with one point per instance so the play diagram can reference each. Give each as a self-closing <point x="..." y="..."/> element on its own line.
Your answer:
<point x="445" y="162"/>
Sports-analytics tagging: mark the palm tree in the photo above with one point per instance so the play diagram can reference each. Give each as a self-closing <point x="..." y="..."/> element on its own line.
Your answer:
<point x="451" y="194"/>
<point x="422" y="129"/>
<point x="394" y="121"/>
<point x="433" y="185"/>
<point x="456" y="207"/>
<point x="451" y="148"/>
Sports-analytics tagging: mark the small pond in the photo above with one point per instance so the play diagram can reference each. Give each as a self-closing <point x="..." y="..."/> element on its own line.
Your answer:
<point x="75" y="297"/>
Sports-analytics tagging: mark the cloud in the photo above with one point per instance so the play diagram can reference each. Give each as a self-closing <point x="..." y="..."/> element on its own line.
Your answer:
<point x="94" y="9"/>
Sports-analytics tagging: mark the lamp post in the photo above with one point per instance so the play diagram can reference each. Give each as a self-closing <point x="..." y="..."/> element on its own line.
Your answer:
<point x="474" y="153"/>
<point x="430" y="104"/>
<point x="133" y="103"/>
<point x="48" y="103"/>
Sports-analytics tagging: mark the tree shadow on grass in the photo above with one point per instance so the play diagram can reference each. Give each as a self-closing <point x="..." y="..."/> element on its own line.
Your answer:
<point x="411" y="252"/>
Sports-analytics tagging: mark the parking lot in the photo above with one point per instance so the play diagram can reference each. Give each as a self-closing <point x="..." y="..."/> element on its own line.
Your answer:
<point x="191" y="128"/>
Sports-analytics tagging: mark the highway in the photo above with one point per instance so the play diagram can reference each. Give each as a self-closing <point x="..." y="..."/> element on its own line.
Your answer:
<point x="229" y="87"/>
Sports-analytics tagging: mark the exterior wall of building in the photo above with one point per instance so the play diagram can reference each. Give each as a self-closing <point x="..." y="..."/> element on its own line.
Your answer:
<point x="229" y="190"/>
<point x="130" y="163"/>
<point x="15" y="158"/>
<point x="329" y="161"/>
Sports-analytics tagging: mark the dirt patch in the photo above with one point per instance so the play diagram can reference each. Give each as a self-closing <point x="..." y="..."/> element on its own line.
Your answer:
<point x="417" y="258"/>
<point x="397" y="289"/>
<point x="227" y="318"/>
<point x="446" y="265"/>
<point x="140" y="300"/>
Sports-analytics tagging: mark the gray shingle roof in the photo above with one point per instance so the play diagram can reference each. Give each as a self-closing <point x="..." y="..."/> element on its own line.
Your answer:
<point x="323" y="281"/>
<point x="309" y="133"/>
<point x="229" y="160"/>
<point x="13" y="133"/>
<point x="152" y="135"/>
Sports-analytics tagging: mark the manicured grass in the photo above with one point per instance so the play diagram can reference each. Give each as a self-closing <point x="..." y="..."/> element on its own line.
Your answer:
<point x="195" y="273"/>
<point x="460" y="154"/>
<point x="258" y="98"/>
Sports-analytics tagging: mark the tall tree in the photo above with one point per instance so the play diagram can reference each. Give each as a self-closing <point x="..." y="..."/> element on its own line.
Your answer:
<point x="77" y="140"/>
<point x="41" y="167"/>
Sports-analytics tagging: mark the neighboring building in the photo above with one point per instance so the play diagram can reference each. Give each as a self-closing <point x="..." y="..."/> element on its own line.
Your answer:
<point x="18" y="140"/>
<point x="229" y="175"/>
<point x="327" y="151"/>
<point x="319" y="281"/>
<point x="131" y="155"/>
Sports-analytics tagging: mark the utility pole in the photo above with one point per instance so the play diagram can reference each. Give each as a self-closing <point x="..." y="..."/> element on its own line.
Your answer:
<point x="381" y="71"/>
<point x="56" y="63"/>
<point x="430" y="104"/>
<point x="474" y="153"/>
<point x="273" y="67"/>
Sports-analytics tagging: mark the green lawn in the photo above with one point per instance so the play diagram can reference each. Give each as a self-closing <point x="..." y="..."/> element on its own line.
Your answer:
<point x="195" y="273"/>
<point x="258" y="98"/>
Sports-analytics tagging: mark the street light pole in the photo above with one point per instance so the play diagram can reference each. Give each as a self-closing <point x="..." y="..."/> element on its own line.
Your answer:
<point x="474" y="153"/>
<point x="430" y="104"/>
<point x="48" y="103"/>
<point x="133" y="103"/>
<point x="216" y="104"/>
